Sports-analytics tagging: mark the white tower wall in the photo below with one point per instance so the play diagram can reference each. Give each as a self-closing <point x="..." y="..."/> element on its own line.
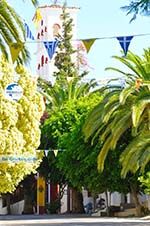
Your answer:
<point x="50" y="23"/>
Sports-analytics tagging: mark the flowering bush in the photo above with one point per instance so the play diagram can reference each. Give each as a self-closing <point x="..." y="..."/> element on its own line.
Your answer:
<point x="19" y="127"/>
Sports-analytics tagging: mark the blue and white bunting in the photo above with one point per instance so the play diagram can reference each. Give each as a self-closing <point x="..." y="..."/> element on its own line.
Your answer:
<point x="28" y="32"/>
<point x="51" y="47"/>
<point x="124" y="43"/>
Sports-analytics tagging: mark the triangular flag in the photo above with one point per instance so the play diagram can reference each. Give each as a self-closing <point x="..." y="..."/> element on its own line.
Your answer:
<point x="28" y="32"/>
<point x="51" y="47"/>
<point x="55" y="152"/>
<point x="37" y="16"/>
<point x="88" y="43"/>
<point x="46" y="152"/>
<point x="15" y="49"/>
<point x="124" y="43"/>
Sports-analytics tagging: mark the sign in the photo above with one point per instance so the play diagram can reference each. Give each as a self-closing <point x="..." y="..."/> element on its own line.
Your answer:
<point x="41" y="189"/>
<point x="13" y="91"/>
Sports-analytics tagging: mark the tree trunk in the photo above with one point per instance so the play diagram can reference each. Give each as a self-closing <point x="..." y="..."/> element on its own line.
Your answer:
<point x="30" y="192"/>
<point x="136" y="201"/>
<point x="107" y="207"/>
<point x="28" y="204"/>
<point x="68" y="199"/>
<point x="77" y="202"/>
<point x="8" y="196"/>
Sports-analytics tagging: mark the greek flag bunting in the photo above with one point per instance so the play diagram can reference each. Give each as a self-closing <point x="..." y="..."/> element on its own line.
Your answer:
<point x="51" y="47"/>
<point x="28" y="32"/>
<point x="124" y="43"/>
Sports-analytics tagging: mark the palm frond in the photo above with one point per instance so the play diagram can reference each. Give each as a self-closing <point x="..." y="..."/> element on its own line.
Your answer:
<point x="137" y="7"/>
<point x="145" y="158"/>
<point x="93" y="121"/>
<point x="127" y="62"/>
<point x="123" y="123"/>
<point x="125" y="93"/>
<point x="103" y="154"/>
<point x="12" y="31"/>
<point x="131" y="155"/>
<point x="115" y="69"/>
<point x="35" y="2"/>
<point x="122" y="110"/>
<point x="139" y="64"/>
<point x="138" y="108"/>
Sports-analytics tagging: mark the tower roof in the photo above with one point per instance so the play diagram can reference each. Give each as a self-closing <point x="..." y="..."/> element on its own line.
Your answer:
<point x="55" y="6"/>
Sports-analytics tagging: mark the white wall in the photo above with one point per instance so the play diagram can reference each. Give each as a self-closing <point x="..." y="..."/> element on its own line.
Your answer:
<point x="115" y="199"/>
<point x="16" y="208"/>
<point x="64" y="201"/>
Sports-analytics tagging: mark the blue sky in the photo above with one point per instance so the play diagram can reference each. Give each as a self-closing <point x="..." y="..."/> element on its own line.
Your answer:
<point x="96" y="19"/>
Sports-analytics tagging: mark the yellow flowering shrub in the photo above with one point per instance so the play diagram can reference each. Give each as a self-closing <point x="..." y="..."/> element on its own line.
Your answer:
<point x="19" y="127"/>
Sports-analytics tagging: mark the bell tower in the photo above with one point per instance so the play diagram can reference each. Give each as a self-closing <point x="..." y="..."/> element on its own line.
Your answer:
<point x="48" y="29"/>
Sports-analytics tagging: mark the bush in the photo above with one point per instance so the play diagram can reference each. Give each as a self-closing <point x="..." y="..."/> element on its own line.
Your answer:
<point x="53" y="207"/>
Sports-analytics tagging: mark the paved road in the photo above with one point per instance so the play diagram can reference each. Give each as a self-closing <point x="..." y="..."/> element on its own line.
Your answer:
<point x="78" y="224"/>
<point x="71" y="221"/>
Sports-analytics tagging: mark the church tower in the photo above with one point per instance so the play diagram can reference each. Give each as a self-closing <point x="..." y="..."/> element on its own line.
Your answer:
<point x="49" y="27"/>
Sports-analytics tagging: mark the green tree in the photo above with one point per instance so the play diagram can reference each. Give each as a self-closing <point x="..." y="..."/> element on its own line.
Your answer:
<point x="57" y="95"/>
<point x="66" y="60"/>
<point x="57" y="123"/>
<point x="80" y="158"/>
<point x="145" y="182"/>
<point x="67" y="88"/>
<point x="138" y="7"/>
<point x="64" y="56"/>
<point x="125" y="110"/>
<point x="61" y="122"/>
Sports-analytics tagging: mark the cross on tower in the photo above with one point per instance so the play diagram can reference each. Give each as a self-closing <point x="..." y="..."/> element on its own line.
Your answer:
<point x="56" y="1"/>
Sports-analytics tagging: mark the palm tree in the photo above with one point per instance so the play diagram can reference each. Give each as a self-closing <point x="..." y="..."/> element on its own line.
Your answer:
<point x="125" y="110"/>
<point x="34" y="2"/>
<point x="138" y="7"/>
<point x="69" y="89"/>
<point x="12" y="30"/>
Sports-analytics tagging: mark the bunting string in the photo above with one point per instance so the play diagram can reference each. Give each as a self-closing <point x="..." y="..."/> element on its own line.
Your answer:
<point x="100" y="38"/>
<point x="51" y="45"/>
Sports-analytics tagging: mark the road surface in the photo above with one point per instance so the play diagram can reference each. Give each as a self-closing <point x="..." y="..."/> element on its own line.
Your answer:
<point x="70" y="221"/>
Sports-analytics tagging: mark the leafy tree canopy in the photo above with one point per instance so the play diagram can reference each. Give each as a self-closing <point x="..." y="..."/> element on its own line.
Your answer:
<point x="79" y="164"/>
<point x="145" y="182"/>
<point x="78" y="158"/>
<point x="19" y="126"/>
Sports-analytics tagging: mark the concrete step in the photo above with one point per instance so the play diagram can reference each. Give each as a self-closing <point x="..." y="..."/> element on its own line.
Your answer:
<point x="126" y="213"/>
